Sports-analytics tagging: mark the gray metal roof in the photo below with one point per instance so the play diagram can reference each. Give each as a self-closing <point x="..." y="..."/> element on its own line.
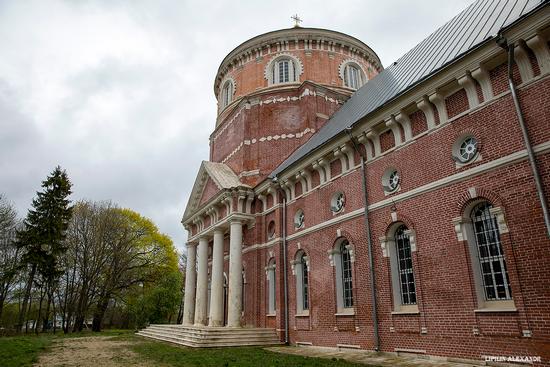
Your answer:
<point x="476" y="24"/>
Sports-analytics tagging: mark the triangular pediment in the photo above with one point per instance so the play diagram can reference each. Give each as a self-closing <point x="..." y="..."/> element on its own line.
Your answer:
<point x="209" y="190"/>
<point x="211" y="179"/>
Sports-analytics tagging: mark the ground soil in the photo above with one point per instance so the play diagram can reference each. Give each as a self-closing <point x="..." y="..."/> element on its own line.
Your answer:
<point x="95" y="351"/>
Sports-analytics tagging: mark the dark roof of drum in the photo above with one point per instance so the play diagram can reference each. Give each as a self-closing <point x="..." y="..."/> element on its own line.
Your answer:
<point x="474" y="26"/>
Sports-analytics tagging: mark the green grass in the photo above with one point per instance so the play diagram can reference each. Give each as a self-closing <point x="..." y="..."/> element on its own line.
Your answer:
<point x="22" y="350"/>
<point x="19" y="351"/>
<point x="237" y="356"/>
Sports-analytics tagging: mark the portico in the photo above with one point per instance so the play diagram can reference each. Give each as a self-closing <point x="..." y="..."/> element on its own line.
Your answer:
<point x="196" y="277"/>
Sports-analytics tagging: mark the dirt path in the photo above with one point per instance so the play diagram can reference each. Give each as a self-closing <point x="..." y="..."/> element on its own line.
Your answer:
<point x="98" y="351"/>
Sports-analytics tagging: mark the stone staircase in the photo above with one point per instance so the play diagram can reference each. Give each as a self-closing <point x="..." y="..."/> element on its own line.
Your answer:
<point x="210" y="337"/>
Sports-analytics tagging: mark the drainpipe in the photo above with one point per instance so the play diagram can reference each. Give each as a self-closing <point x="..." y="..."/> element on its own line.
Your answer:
<point x="285" y="271"/>
<point x="502" y="42"/>
<point x="369" y="242"/>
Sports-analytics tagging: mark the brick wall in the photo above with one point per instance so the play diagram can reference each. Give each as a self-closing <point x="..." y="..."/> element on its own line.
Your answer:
<point x="418" y="122"/>
<point x="442" y="267"/>
<point x="456" y="103"/>
<point x="321" y="66"/>
<point x="282" y="122"/>
<point x="447" y="323"/>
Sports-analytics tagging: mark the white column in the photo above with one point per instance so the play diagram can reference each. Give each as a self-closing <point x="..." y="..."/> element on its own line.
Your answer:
<point x="216" y="287"/>
<point x="190" y="282"/>
<point x="235" y="275"/>
<point x="202" y="283"/>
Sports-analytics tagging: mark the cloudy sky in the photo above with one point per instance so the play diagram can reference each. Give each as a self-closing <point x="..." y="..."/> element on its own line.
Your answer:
<point x="120" y="93"/>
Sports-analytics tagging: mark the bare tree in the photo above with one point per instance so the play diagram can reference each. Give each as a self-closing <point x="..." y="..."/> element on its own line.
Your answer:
<point x="182" y="267"/>
<point x="10" y="255"/>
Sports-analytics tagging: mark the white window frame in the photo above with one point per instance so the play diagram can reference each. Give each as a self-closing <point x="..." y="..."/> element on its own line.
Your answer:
<point x="389" y="250"/>
<point x="298" y="271"/>
<point x="226" y="93"/>
<point x="352" y="77"/>
<point x="386" y="185"/>
<point x="345" y="74"/>
<point x="338" y="202"/>
<point x="455" y="152"/>
<point x="465" y="232"/>
<point x="299" y="219"/>
<point x="335" y="258"/>
<point x="271" y="299"/>
<point x="295" y="69"/>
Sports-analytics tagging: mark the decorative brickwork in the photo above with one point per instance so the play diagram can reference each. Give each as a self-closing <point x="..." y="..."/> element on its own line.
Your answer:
<point x="259" y="131"/>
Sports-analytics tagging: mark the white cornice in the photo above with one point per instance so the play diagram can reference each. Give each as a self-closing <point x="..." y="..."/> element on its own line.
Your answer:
<point x="251" y="99"/>
<point x="466" y="174"/>
<point x="248" y="48"/>
<point x="222" y="224"/>
<point x="449" y="74"/>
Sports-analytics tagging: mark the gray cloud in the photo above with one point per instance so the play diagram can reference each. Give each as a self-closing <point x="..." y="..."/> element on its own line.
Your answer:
<point x="120" y="93"/>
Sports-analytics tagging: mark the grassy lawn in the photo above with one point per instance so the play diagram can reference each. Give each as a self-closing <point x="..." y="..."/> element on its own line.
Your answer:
<point x="22" y="350"/>
<point x="25" y="350"/>
<point x="167" y="354"/>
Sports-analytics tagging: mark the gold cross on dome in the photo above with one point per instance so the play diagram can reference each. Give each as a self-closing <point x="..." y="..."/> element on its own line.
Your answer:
<point x="296" y="20"/>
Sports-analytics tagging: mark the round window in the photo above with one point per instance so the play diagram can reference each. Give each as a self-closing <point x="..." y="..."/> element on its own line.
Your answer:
<point x="468" y="149"/>
<point x="299" y="219"/>
<point x="271" y="230"/>
<point x="393" y="181"/>
<point x="337" y="202"/>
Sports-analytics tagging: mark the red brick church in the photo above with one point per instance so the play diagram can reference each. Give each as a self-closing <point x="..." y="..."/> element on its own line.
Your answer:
<point x="399" y="209"/>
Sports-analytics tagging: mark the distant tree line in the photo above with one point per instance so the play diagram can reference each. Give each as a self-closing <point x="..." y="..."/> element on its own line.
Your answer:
<point x="73" y="266"/>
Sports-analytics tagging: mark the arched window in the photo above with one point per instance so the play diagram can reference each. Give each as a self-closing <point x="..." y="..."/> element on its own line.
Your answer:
<point x="270" y="272"/>
<point x="305" y="282"/>
<point x="347" y="286"/>
<point x="492" y="263"/>
<point x="405" y="266"/>
<point x="352" y="74"/>
<point x="480" y="228"/>
<point x="342" y="258"/>
<point x="227" y="94"/>
<point x="284" y="71"/>
<point x="352" y="77"/>
<point x="398" y="246"/>
<point x="300" y="268"/>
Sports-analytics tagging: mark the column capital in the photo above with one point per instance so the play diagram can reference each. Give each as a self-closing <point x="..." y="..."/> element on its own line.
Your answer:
<point x="235" y="221"/>
<point x="218" y="230"/>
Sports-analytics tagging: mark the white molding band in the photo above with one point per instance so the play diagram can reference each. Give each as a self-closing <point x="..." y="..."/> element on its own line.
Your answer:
<point x="497" y="163"/>
<point x="297" y="135"/>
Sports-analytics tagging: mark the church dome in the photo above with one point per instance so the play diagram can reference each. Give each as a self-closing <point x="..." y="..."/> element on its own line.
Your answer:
<point x="287" y="57"/>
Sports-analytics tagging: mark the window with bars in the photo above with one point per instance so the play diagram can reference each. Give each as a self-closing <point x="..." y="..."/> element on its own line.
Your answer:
<point x="347" y="284"/>
<point x="405" y="266"/>
<point x="496" y="284"/>
<point x="305" y="283"/>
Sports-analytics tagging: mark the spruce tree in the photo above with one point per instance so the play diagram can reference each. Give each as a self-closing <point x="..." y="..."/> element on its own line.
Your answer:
<point x="43" y="234"/>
